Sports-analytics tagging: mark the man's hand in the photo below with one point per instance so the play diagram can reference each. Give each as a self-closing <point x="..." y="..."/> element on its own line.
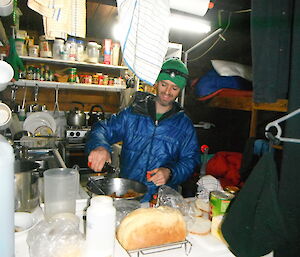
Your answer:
<point x="160" y="177"/>
<point x="98" y="157"/>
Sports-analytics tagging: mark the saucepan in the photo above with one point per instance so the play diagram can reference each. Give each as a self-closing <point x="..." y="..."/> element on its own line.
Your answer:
<point x="118" y="188"/>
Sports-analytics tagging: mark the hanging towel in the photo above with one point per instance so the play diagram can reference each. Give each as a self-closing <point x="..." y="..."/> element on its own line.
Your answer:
<point x="145" y="37"/>
<point x="254" y="224"/>
<point x="61" y="17"/>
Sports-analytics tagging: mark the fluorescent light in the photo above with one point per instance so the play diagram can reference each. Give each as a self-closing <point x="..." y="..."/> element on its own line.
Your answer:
<point x="185" y="23"/>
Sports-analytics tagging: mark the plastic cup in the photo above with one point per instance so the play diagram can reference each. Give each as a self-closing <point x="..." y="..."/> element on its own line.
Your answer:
<point x="61" y="187"/>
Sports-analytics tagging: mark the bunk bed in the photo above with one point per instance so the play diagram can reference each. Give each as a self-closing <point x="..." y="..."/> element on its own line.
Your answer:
<point x="242" y="100"/>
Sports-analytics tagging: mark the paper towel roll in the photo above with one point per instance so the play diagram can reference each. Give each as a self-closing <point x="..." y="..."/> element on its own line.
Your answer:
<point x="196" y="7"/>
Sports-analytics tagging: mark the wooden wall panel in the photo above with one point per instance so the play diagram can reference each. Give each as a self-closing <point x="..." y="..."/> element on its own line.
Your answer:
<point x="110" y="101"/>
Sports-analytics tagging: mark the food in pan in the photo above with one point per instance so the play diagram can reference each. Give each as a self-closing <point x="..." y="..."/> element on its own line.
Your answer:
<point x="129" y="194"/>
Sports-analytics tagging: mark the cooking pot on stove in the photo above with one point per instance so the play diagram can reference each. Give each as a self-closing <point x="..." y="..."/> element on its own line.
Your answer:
<point x="26" y="185"/>
<point x="76" y="117"/>
<point x="96" y="116"/>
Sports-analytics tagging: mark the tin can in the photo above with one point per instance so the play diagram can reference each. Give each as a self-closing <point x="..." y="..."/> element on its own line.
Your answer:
<point x="72" y="75"/>
<point x="95" y="79"/>
<point x="219" y="202"/>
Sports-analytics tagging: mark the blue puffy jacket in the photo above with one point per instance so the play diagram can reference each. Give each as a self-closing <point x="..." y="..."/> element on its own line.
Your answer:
<point x="147" y="144"/>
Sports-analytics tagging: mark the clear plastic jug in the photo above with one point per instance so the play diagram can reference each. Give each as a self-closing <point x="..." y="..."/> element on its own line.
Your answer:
<point x="61" y="186"/>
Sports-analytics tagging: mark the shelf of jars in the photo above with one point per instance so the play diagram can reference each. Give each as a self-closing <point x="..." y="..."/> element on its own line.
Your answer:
<point x="68" y="85"/>
<point x="72" y="63"/>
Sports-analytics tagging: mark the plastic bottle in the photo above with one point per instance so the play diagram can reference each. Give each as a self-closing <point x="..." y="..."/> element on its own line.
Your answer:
<point x="80" y="51"/>
<point x="100" y="227"/>
<point x="71" y="48"/>
<point x="7" y="247"/>
<point x="58" y="48"/>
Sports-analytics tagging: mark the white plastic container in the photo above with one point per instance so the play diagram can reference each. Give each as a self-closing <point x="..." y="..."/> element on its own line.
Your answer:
<point x="100" y="227"/>
<point x="58" y="48"/>
<point x="7" y="198"/>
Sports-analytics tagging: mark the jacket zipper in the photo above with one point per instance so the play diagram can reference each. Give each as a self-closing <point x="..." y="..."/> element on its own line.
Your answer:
<point x="155" y="126"/>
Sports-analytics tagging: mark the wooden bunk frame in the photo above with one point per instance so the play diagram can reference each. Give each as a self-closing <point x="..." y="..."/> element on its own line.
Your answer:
<point x="245" y="103"/>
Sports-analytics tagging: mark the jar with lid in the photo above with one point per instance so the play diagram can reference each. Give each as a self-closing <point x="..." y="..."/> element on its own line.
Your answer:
<point x="58" y="48"/>
<point x="33" y="50"/>
<point x="20" y="46"/>
<point x="80" y="51"/>
<point x="45" y="50"/>
<point x="93" y="52"/>
<point x="71" y="48"/>
<point x="100" y="227"/>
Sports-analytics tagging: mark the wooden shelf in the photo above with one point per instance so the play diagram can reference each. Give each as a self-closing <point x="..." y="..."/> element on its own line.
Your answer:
<point x="67" y="85"/>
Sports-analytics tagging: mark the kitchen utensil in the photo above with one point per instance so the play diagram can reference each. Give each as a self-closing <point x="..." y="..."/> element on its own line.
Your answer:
<point x="26" y="185"/>
<point x="117" y="187"/>
<point x="96" y="186"/>
<point x="61" y="187"/>
<point x="56" y="106"/>
<point x="96" y="116"/>
<point x="76" y="117"/>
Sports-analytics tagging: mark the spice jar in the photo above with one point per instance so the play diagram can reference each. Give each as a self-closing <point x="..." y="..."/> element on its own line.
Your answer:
<point x="34" y="51"/>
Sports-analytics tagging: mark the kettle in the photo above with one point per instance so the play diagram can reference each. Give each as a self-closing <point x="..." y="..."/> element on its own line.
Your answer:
<point x="96" y="116"/>
<point x="76" y="117"/>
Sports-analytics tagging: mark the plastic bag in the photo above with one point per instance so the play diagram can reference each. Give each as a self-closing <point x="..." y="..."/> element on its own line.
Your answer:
<point x="124" y="207"/>
<point x="58" y="237"/>
<point x="167" y="196"/>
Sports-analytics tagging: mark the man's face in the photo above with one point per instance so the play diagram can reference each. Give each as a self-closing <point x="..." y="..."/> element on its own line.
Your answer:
<point x="167" y="92"/>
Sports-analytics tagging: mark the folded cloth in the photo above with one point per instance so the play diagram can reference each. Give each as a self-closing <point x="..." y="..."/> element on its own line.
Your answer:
<point x="145" y="35"/>
<point x="254" y="224"/>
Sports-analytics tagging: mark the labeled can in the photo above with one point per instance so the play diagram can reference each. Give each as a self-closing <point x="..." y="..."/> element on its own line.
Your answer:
<point x="95" y="79"/>
<point x="72" y="75"/>
<point x="219" y="202"/>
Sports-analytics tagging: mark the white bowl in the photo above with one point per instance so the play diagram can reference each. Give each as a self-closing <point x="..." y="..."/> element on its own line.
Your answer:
<point x="5" y="116"/>
<point x="6" y="74"/>
<point x="24" y="221"/>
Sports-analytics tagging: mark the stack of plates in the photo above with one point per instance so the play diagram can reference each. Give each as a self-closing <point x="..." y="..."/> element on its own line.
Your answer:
<point x="40" y="124"/>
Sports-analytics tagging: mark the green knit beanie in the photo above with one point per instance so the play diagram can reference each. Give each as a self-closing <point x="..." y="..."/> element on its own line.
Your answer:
<point x="174" y="70"/>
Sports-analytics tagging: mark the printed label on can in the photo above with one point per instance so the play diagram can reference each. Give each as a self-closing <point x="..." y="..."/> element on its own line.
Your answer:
<point x="219" y="202"/>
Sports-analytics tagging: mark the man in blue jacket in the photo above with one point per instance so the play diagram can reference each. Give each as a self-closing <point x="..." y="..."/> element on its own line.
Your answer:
<point x="158" y="137"/>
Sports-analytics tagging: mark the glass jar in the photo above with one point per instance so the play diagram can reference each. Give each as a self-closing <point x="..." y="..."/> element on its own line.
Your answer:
<point x="80" y="51"/>
<point x="58" y="48"/>
<point x="71" y="48"/>
<point x="45" y="47"/>
<point x="20" y="46"/>
<point x="92" y="52"/>
<point x="34" y="51"/>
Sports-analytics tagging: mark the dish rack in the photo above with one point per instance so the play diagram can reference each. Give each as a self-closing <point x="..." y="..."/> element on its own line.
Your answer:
<point x="187" y="245"/>
<point x="38" y="142"/>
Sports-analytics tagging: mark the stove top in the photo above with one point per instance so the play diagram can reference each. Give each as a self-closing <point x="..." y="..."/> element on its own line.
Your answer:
<point x="77" y="133"/>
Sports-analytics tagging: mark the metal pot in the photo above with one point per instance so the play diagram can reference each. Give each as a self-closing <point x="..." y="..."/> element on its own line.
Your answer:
<point x="96" y="116"/>
<point x="26" y="185"/>
<point x="76" y="117"/>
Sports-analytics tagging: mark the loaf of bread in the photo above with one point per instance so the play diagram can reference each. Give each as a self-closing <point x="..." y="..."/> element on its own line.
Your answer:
<point x="147" y="227"/>
<point x="199" y="226"/>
